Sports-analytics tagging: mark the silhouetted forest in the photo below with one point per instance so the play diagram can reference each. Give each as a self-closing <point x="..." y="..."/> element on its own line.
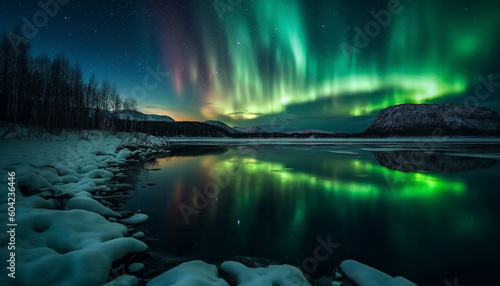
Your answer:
<point x="52" y="92"/>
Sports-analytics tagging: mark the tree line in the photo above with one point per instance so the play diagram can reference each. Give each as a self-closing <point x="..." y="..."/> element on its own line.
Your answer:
<point x="53" y="92"/>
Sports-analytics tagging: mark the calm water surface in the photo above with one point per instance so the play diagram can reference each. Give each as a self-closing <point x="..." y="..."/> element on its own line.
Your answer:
<point x="427" y="216"/>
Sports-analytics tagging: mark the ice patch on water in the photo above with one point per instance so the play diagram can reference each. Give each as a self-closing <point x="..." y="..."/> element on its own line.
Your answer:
<point x="483" y="156"/>
<point x="342" y="152"/>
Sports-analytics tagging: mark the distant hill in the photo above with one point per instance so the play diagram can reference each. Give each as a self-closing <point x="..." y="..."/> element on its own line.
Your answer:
<point x="310" y="131"/>
<point x="447" y="119"/>
<point x="221" y="125"/>
<point x="306" y="133"/>
<point x="251" y="129"/>
<point x="318" y="133"/>
<point x="134" y="115"/>
<point x="405" y="120"/>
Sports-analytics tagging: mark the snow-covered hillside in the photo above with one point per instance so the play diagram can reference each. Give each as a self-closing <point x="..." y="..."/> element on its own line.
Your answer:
<point x="221" y="125"/>
<point x="435" y="120"/>
<point x="134" y="115"/>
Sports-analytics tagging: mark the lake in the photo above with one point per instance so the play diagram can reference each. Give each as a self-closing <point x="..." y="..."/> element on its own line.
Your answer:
<point x="427" y="213"/>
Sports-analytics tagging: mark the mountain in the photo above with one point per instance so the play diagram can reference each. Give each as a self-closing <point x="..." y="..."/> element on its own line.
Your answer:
<point x="251" y="129"/>
<point x="446" y="119"/>
<point x="221" y="125"/>
<point x="134" y="115"/>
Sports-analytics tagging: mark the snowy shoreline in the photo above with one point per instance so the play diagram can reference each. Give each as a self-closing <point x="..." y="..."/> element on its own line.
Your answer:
<point x="68" y="232"/>
<point x="65" y="186"/>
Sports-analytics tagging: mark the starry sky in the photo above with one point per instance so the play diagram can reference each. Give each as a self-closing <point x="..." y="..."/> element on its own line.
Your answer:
<point x="323" y="64"/>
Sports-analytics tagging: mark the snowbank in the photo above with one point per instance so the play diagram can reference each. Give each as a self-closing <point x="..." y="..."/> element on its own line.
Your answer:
<point x="135" y="219"/>
<point x="190" y="273"/>
<point x="124" y="280"/>
<point x="364" y="275"/>
<point x="282" y="275"/>
<point x="63" y="236"/>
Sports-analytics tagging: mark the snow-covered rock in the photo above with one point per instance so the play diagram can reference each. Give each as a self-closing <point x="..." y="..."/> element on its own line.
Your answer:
<point x="135" y="219"/>
<point x="33" y="180"/>
<point x="74" y="247"/>
<point x="135" y="267"/>
<point x="435" y="120"/>
<point x="124" y="280"/>
<point x="364" y="275"/>
<point x="89" y="204"/>
<point x="190" y="273"/>
<point x="282" y="275"/>
<point x="139" y="234"/>
<point x="62" y="236"/>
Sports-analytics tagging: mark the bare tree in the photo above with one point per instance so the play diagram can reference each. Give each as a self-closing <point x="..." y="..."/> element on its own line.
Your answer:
<point x="130" y="104"/>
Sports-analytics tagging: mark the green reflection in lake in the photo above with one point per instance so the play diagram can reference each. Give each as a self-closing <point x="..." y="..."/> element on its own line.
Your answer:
<point x="278" y="201"/>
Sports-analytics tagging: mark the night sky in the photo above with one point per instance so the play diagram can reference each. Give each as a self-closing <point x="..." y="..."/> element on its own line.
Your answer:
<point x="303" y="60"/>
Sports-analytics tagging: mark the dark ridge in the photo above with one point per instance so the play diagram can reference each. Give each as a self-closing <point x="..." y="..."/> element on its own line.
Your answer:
<point x="434" y="120"/>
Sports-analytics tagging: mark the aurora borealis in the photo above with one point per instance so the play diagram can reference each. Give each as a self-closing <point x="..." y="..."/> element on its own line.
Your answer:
<point x="245" y="61"/>
<point x="268" y="57"/>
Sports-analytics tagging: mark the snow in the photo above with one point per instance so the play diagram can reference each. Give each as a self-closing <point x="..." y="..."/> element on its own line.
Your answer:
<point x="62" y="234"/>
<point x="33" y="181"/>
<point x="364" y="275"/>
<point x="194" y="272"/>
<point x="135" y="267"/>
<point x="282" y="275"/>
<point x="54" y="246"/>
<point x="89" y="204"/>
<point x="139" y="234"/>
<point x="123" y="154"/>
<point x="124" y="280"/>
<point x="135" y="219"/>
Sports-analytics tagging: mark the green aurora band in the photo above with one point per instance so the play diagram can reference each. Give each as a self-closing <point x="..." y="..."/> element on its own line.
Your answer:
<point x="266" y="56"/>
